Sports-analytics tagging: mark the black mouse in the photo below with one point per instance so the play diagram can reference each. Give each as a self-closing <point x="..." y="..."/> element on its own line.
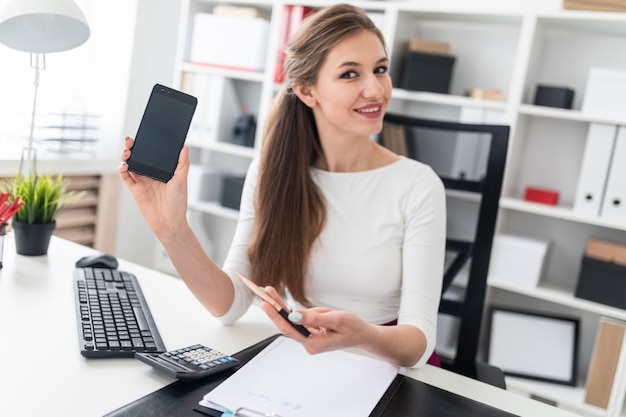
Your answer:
<point x="100" y="260"/>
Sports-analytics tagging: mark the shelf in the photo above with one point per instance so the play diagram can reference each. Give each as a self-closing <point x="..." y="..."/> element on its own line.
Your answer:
<point x="447" y="99"/>
<point x="224" y="147"/>
<point x="561" y="297"/>
<point x="467" y="14"/>
<point x="564" y="396"/>
<point x="223" y="72"/>
<point x="557" y="212"/>
<point x="463" y="195"/>
<point x="565" y="114"/>
<point x="214" y="209"/>
<point x="231" y="149"/>
<point x="587" y="21"/>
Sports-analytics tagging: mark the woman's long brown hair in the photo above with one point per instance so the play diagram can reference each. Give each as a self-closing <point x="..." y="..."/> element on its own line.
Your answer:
<point x="290" y="209"/>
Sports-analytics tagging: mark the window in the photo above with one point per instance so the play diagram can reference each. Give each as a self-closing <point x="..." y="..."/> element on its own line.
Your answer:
<point x="82" y="92"/>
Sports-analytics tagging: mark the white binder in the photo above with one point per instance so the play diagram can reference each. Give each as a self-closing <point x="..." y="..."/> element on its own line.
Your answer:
<point x="595" y="166"/>
<point x="472" y="149"/>
<point x="218" y="108"/>
<point x="614" y="205"/>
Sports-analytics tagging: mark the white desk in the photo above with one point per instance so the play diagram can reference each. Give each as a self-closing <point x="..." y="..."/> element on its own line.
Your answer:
<point x="43" y="373"/>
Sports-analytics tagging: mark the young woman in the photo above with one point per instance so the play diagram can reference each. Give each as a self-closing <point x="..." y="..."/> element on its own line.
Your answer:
<point x="350" y="234"/>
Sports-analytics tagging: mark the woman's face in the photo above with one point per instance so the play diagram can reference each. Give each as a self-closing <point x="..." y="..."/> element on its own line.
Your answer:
<point x="353" y="88"/>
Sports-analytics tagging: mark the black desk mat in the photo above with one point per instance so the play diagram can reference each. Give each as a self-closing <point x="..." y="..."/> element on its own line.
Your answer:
<point x="406" y="397"/>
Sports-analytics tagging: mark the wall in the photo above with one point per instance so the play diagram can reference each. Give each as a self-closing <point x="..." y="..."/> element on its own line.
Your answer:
<point x="152" y="62"/>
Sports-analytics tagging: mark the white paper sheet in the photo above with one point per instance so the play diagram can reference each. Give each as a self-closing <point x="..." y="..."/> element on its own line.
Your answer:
<point x="284" y="379"/>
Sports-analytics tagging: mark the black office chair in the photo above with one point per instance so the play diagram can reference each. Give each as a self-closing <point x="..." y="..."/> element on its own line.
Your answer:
<point x="470" y="159"/>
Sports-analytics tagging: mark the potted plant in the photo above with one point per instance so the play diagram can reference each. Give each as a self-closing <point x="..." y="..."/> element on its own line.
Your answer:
<point x="43" y="196"/>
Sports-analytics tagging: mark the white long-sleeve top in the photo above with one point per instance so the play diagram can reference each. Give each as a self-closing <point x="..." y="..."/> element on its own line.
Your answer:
<point x="381" y="253"/>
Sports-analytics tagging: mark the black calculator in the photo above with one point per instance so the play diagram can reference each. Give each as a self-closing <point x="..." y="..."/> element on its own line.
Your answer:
<point x="192" y="362"/>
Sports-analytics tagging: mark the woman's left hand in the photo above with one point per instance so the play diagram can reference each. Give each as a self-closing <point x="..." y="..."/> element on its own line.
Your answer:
<point x="330" y="329"/>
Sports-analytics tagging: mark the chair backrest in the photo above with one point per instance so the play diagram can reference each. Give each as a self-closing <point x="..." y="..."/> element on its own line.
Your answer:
<point x="470" y="159"/>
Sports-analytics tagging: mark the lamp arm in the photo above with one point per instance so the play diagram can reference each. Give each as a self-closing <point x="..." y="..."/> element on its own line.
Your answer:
<point x="38" y="62"/>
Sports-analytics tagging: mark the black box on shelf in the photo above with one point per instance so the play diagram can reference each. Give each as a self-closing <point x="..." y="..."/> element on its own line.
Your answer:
<point x="602" y="282"/>
<point x="427" y="72"/>
<point x="232" y="186"/>
<point x="244" y="130"/>
<point x="561" y="97"/>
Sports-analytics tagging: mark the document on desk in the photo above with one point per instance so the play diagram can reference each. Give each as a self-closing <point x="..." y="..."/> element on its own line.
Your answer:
<point x="285" y="380"/>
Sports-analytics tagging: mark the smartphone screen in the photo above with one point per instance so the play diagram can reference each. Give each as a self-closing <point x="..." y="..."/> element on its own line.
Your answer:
<point x="162" y="132"/>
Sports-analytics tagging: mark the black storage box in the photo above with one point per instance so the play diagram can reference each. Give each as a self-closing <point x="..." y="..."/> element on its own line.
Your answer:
<point x="427" y="72"/>
<point x="231" y="191"/>
<point x="602" y="282"/>
<point x="244" y="130"/>
<point x="550" y="96"/>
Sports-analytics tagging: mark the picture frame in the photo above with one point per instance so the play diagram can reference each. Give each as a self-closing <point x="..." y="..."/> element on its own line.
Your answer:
<point x="533" y="345"/>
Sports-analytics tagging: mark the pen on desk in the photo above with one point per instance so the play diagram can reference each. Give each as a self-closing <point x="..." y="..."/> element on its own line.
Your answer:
<point x="263" y="295"/>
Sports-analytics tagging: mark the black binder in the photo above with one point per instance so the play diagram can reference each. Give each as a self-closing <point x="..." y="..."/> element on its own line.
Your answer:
<point x="406" y="397"/>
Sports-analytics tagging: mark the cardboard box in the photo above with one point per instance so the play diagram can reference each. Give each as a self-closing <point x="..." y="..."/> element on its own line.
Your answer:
<point x="551" y="96"/>
<point x="596" y="5"/>
<point x="242" y="11"/>
<point x="429" y="46"/>
<point x="606" y="251"/>
<point x="485" y="94"/>
<point x="233" y="42"/>
<point x="427" y="72"/>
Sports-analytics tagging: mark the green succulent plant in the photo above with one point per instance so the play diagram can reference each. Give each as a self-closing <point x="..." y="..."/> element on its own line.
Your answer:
<point x="43" y="195"/>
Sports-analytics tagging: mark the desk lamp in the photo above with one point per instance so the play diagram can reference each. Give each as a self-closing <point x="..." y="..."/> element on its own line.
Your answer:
<point x="40" y="27"/>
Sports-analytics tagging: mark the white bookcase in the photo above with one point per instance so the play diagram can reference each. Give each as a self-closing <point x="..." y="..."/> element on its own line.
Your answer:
<point x="494" y="48"/>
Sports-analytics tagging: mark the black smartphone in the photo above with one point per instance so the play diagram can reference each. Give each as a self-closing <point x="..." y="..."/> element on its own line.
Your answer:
<point x="162" y="132"/>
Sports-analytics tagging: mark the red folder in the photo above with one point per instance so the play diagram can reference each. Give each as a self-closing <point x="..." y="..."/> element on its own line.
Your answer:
<point x="292" y="16"/>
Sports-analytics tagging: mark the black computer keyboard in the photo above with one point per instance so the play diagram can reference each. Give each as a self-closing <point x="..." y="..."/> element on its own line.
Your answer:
<point x="112" y="315"/>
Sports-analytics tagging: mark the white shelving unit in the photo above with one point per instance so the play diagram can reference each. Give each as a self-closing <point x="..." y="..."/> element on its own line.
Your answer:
<point x="494" y="48"/>
<point x="547" y="146"/>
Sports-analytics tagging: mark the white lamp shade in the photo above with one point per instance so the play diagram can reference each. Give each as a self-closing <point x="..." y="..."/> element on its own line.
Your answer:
<point x="42" y="26"/>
